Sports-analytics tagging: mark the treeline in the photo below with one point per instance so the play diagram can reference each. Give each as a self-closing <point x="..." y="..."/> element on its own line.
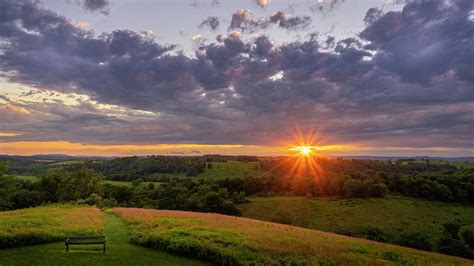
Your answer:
<point x="131" y="168"/>
<point x="365" y="178"/>
<point x="85" y="186"/>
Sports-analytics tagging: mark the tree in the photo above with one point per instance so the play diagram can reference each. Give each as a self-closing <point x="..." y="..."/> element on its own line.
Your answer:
<point x="377" y="190"/>
<point x="467" y="235"/>
<point x="3" y="167"/>
<point x="137" y="182"/>
<point x="69" y="186"/>
<point x="355" y="188"/>
<point x="415" y="240"/>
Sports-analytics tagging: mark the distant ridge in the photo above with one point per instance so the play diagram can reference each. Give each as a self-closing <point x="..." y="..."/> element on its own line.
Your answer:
<point x="449" y="159"/>
<point x="57" y="157"/>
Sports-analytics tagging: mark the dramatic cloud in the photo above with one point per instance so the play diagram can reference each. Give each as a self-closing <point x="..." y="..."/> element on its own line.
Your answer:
<point x="407" y="79"/>
<point x="241" y="19"/>
<point x="284" y="20"/>
<point x="96" y="5"/>
<point x="372" y="15"/>
<point x="211" y="22"/>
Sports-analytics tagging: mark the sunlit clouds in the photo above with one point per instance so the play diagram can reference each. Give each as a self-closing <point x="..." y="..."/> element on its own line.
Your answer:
<point x="355" y="77"/>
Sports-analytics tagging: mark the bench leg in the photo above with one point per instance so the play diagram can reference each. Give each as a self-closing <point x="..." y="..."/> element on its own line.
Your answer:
<point x="67" y="248"/>
<point x="104" y="248"/>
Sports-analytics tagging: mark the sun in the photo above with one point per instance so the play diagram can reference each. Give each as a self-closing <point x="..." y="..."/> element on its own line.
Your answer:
<point x="304" y="151"/>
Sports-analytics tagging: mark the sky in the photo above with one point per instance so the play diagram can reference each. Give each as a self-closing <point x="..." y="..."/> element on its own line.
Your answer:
<point x="254" y="77"/>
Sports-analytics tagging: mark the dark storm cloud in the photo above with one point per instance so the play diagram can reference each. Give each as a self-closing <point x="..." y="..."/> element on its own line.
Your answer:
<point x="372" y="15"/>
<point x="284" y="20"/>
<point x="242" y="19"/>
<point x="409" y="77"/>
<point x="427" y="39"/>
<point x="211" y="22"/>
<point x="102" y="6"/>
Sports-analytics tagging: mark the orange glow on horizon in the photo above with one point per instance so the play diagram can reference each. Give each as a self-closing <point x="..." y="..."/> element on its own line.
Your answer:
<point x="304" y="151"/>
<point x="82" y="149"/>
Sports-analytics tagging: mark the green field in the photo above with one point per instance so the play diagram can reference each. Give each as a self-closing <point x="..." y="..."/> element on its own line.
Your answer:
<point x="127" y="184"/>
<point x="30" y="178"/>
<point x="392" y="215"/>
<point x="118" y="252"/>
<point x="229" y="240"/>
<point x="220" y="170"/>
<point x="112" y="182"/>
<point x="70" y="162"/>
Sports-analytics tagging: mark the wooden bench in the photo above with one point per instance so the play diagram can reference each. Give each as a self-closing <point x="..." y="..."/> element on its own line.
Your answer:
<point x="85" y="240"/>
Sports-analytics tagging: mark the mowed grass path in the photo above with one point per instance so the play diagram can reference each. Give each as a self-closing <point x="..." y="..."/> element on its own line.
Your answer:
<point x="118" y="251"/>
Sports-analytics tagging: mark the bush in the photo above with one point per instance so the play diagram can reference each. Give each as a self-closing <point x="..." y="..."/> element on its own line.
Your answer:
<point x="377" y="190"/>
<point x="467" y="235"/>
<point x="415" y="240"/>
<point x="356" y="188"/>
<point x="451" y="230"/>
<point x="453" y="247"/>
<point x="376" y="234"/>
<point x="137" y="182"/>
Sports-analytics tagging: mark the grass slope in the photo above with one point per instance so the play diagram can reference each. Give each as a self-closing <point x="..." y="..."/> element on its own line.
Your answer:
<point x="118" y="252"/>
<point x="394" y="215"/>
<point x="233" y="240"/>
<point x="48" y="224"/>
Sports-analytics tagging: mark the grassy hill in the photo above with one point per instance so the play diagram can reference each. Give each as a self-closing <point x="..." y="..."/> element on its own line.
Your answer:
<point x="392" y="216"/>
<point x="232" y="240"/>
<point x="216" y="238"/>
<point x="48" y="224"/>
<point x="72" y="220"/>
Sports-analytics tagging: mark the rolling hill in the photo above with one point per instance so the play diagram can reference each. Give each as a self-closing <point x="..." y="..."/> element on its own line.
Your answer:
<point x="145" y="237"/>
<point x="233" y="240"/>
<point x="390" y="217"/>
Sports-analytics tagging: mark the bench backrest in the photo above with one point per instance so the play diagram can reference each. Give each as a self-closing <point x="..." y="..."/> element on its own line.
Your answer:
<point x="86" y="240"/>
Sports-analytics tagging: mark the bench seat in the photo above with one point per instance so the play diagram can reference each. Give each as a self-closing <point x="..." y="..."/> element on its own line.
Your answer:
<point x="85" y="240"/>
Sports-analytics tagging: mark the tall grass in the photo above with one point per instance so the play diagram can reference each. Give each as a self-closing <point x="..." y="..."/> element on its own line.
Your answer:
<point x="48" y="224"/>
<point x="394" y="215"/>
<point x="231" y="241"/>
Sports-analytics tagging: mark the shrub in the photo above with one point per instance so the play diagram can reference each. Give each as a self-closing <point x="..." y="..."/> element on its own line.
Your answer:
<point x="453" y="247"/>
<point x="377" y="190"/>
<point x="467" y="235"/>
<point x="375" y="233"/>
<point x="415" y="240"/>
<point x="355" y="188"/>
<point x="137" y="182"/>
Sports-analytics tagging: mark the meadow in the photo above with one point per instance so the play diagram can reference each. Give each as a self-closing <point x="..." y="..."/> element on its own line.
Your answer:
<point x="119" y="251"/>
<point x="390" y="217"/>
<point x="232" y="240"/>
<point x="48" y="224"/>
